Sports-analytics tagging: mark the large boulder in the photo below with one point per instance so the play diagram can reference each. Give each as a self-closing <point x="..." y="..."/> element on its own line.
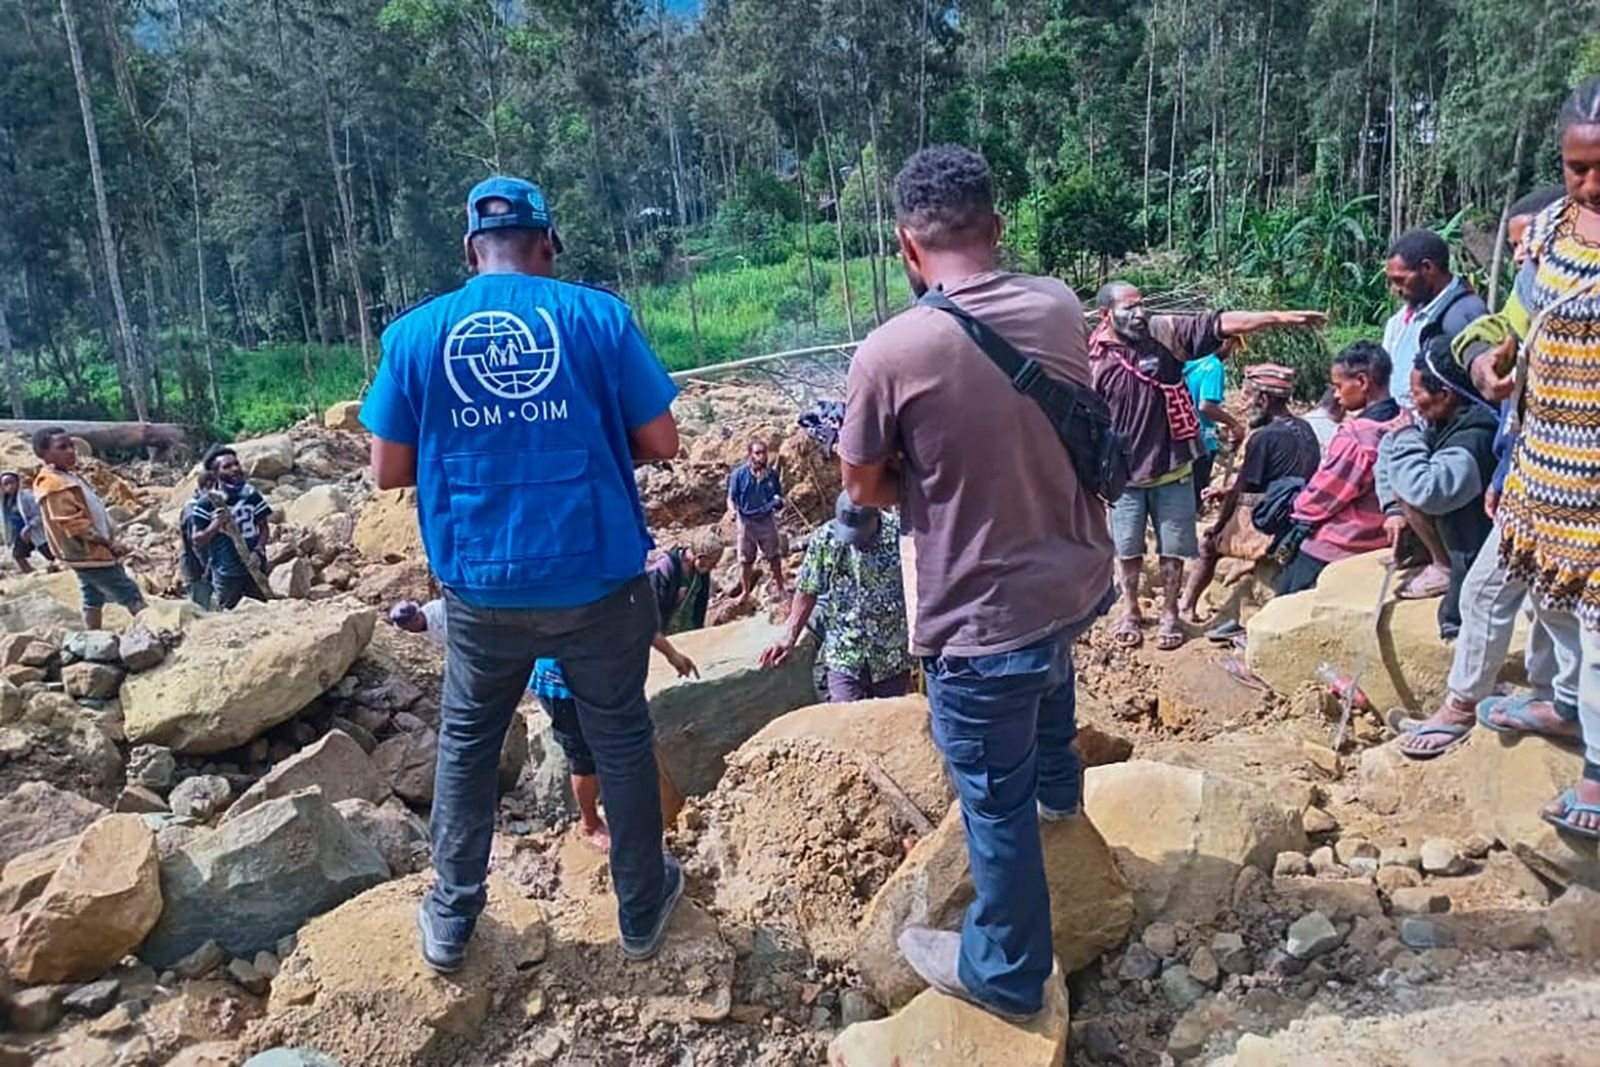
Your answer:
<point x="98" y="907"/>
<point x="292" y="579"/>
<point x="387" y="528"/>
<point x="25" y="877"/>
<point x="337" y="765"/>
<point x="1091" y="906"/>
<point x="345" y="415"/>
<point x="37" y="813"/>
<point x="1332" y="623"/>
<point x="316" y="504"/>
<point x="936" y="1030"/>
<point x="700" y="720"/>
<point x="240" y="673"/>
<point x="405" y="763"/>
<point x="56" y="740"/>
<point x="392" y="829"/>
<point x="46" y="602"/>
<point x="1181" y="835"/>
<point x="255" y="880"/>
<point x="268" y="457"/>
<point x="355" y="973"/>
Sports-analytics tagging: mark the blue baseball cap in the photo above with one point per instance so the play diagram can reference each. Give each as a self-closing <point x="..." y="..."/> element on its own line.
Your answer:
<point x="528" y="208"/>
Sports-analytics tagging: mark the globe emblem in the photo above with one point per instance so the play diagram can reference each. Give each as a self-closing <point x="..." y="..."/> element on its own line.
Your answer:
<point x="507" y="358"/>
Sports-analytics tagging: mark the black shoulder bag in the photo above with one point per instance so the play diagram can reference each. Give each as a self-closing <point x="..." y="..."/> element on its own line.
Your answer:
<point x="1080" y="416"/>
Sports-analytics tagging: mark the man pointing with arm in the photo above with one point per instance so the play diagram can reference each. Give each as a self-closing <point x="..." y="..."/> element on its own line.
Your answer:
<point x="518" y="406"/>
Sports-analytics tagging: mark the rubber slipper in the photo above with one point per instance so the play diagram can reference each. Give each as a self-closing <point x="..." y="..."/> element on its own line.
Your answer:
<point x="1424" y="586"/>
<point x="1170" y="638"/>
<point x="1570" y="801"/>
<point x="1127" y="633"/>
<point x="1515" y="708"/>
<point x="1454" y="731"/>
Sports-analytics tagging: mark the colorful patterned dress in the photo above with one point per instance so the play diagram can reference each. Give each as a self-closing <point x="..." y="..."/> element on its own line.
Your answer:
<point x="1550" y="513"/>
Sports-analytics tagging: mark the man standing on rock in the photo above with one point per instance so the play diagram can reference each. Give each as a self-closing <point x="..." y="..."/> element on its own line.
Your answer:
<point x="79" y="528"/>
<point x="755" y="497"/>
<point x="852" y="566"/>
<point x="518" y="406"/>
<point x="1013" y="559"/>
<point x="237" y="503"/>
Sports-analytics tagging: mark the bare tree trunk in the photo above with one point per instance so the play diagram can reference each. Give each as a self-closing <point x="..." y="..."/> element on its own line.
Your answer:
<point x="1395" y="163"/>
<point x="1366" y="101"/>
<point x="352" y="243"/>
<point x="212" y="389"/>
<point x="137" y="380"/>
<point x="318" y="302"/>
<point x="838" y="211"/>
<point x="922" y="82"/>
<point x="805" y="235"/>
<point x="1149" y="116"/>
<point x="877" y="205"/>
<point x="677" y="175"/>
<point x="8" y="355"/>
<point x="1505" y="211"/>
<point x="878" y="310"/>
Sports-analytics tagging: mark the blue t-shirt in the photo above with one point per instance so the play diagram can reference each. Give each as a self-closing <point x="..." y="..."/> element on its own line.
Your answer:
<point x="1206" y="381"/>
<point x="547" y="680"/>
<point x="518" y="394"/>
<point x="754" y="497"/>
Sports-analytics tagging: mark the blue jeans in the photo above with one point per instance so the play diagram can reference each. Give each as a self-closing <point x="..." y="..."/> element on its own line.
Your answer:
<point x="604" y="649"/>
<point x="1005" y="724"/>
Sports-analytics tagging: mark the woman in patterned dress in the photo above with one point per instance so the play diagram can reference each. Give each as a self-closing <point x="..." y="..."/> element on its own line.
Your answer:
<point x="1550" y="512"/>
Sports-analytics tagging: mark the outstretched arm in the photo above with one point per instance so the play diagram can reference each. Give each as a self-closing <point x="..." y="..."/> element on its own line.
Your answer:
<point x="1239" y="323"/>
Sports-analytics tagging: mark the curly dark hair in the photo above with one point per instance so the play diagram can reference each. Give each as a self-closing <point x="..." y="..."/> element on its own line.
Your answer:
<point x="943" y="194"/>
<point x="1369" y="358"/>
<point x="1415" y="246"/>
<point x="208" y="461"/>
<point x="1536" y="201"/>
<point x="1582" y="107"/>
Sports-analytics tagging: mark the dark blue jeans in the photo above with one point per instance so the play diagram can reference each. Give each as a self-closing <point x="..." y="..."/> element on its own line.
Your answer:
<point x="1005" y="724"/>
<point x="604" y="649"/>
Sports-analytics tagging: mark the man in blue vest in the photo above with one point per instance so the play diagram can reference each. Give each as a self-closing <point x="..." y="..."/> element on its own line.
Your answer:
<point x="518" y="406"/>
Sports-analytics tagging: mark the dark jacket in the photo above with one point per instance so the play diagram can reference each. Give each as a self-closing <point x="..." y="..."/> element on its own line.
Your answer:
<point x="669" y="574"/>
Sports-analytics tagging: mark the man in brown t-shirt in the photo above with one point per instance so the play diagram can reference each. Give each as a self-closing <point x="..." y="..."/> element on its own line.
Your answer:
<point x="1138" y="361"/>
<point x="1013" y="559"/>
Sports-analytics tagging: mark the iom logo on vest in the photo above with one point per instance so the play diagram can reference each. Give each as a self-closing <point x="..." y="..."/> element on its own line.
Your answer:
<point x="498" y="365"/>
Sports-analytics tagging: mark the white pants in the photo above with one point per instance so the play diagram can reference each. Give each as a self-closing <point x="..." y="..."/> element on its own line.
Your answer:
<point x="1490" y="600"/>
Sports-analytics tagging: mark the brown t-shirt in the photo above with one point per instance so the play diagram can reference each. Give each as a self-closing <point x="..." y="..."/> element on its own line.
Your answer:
<point x="1009" y="548"/>
<point x="1138" y="408"/>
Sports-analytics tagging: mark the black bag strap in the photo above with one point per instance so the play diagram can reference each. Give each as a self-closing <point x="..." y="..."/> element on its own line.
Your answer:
<point x="1025" y="373"/>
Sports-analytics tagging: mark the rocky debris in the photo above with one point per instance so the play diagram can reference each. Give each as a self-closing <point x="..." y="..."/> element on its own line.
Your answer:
<point x="292" y="580"/>
<point x="27" y="650"/>
<point x="201" y="797"/>
<point x="1138" y="964"/>
<point x="1290" y="865"/>
<point x="58" y="741"/>
<point x="1573" y="924"/>
<point x="345" y="415"/>
<point x="1317" y="821"/>
<point x="137" y="800"/>
<point x="1091" y="906"/>
<point x="268" y="458"/>
<point x="139" y="649"/>
<point x="336" y="765"/>
<point x="387" y="1009"/>
<point x="315" y="504"/>
<point x="935" y="1030"/>
<point x="93" y="646"/>
<point x="25" y="877"/>
<point x="37" y="813"/>
<point x="152" y="767"/>
<point x="398" y="835"/>
<point x="1292" y="635"/>
<point x="201" y="962"/>
<point x="96" y="681"/>
<point x="37" y="1009"/>
<point x="240" y="673"/>
<point x="259" y="877"/>
<point x="94" y="999"/>
<point x="1391" y="879"/>
<point x="1418" y="900"/>
<point x="405" y="765"/>
<point x="700" y="720"/>
<point x="1160" y="938"/>
<point x="243" y="974"/>
<point x="48" y="603"/>
<point x="1442" y="856"/>
<point x="387" y="528"/>
<point x="291" y="1057"/>
<point x="1231" y="954"/>
<point x="1181" y="835"/>
<point x="97" y="907"/>
<point x="1310" y="936"/>
<point x="1180" y="987"/>
<point x="1417" y="932"/>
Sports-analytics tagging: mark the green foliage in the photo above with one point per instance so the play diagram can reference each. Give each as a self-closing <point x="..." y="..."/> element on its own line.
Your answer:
<point x="1087" y="213"/>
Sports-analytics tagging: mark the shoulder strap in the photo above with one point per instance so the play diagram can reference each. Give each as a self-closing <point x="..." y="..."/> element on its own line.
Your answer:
<point x="1023" y="371"/>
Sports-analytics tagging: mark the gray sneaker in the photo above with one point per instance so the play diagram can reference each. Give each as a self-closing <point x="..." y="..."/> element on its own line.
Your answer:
<point x="1049" y="814"/>
<point x="639" y="949"/>
<point x="935" y="955"/>
<point x="440" y="953"/>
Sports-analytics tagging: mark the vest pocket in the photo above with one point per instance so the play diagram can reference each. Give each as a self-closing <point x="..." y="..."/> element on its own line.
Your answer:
<point x="522" y="516"/>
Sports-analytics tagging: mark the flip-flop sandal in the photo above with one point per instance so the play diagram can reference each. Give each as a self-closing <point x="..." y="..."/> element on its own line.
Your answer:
<point x="1515" y="708"/>
<point x="1454" y="731"/>
<point x="1570" y="801"/>
<point x="1225" y="632"/>
<point x="1170" y="638"/>
<point x="1424" y="586"/>
<point x="1127" y="633"/>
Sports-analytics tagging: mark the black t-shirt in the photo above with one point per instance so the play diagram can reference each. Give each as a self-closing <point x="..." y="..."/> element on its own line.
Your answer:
<point x="1283" y="448"/>
<point x="250" y="509"/>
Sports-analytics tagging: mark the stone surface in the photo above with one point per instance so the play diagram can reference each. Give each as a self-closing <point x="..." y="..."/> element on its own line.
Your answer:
<point x="398" y="835"/>
<point x="387" y="528"/>
<point x="1442" y="856"/>
<point x="334" y="992"/>
<point x="25" y="876"/>
<point x="37" y="1009"/>
<point x="37" y="813"/>
<point x="1231" y="954"/>
<point x="291" y="1057"/>
<point x="1417" y="932"/>
<point x="201" y="962"/>
<point x="292" y="580"/>
<point x="1290" y="865"/>
<point x="243" y="974"/>
<point x="1310" y="936"/>
<point x="139" y="649"/>
<point x="1180" y="835"/>
<point x="1336" y="898"/>
<point x="97" y="681"/>
<point x="1419" y="900"/>
<point x="1091" y="907"/>
<point x="152" y="766"/>
<point x="345" y="415"/>
<point x="935" y="1030"/>
<point x="1181" y="988"/>
<point x="94" y="999"/>
<point x="1138" y="964"/>
<point x="200" y="797"/>
<point x="315" y="504"/>
<point x="240" y="673"/>
<point x="97" y="907"/>
<point x="95" y="646"/>
<point x="258" y="878"/>
<point x="1390" y="879"/>
<point x="1161" y="938"/>
<point x="26" y="650"/>
<point x="405" y="765"/>
<point x="269" y="457"/>
<point x="336" y="765"/>
<point x="700" y="720"/>
<point x="1204" y="967"/>
<point x="1573" y="923"/>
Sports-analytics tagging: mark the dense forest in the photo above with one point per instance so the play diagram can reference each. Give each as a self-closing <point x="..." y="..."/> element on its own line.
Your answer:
<point x="209" y="209"/>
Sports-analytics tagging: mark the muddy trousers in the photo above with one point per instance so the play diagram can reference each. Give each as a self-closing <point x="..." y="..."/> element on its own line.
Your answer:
<point x="604" y="649"/>
<point x="1005" y="724"/>
<point x="1588" y="715"/>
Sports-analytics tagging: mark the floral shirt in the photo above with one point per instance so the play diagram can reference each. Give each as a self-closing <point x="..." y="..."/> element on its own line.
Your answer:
<point x="861" y="602"/>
